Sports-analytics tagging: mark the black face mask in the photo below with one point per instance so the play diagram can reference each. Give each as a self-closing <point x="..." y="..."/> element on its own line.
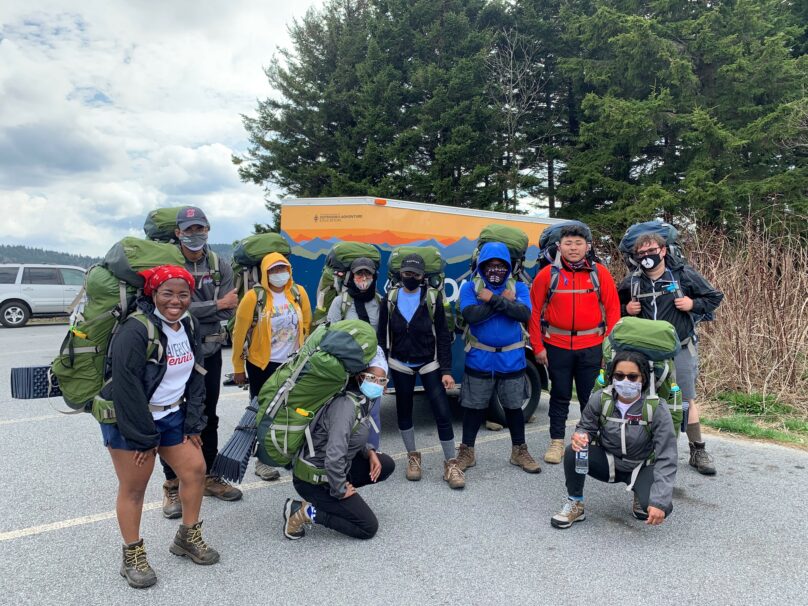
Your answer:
<point x="411" y="283"/>
<point x="649" y="262"/>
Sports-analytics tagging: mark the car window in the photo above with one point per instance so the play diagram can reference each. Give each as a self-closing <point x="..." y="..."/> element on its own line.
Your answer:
<point x="8" y="275"/>
<point x="41" y="275"/>
<point x="72" y="277"/>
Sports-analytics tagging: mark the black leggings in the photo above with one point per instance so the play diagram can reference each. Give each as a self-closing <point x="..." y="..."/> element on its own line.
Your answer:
<point x="599" y="469"/>
<point x="258" y="376"/>
<point x="473" y="419"/>
<point x="435" y="393"/>
<point x="350" y="516"/>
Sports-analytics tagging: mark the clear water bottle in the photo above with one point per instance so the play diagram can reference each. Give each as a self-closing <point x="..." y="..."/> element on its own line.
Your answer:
<point x="582" y="456"/>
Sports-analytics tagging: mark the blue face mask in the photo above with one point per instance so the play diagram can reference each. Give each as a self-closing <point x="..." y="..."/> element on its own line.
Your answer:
<point x="371" y="390"/>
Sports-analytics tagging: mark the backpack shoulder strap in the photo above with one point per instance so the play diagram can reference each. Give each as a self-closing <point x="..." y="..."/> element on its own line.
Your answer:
<point x="152" y="335"/>
<point x="648" y="409"/>
<point x="606" y="405"/>
<point x="345" y="303"/>
<point x="431" y="298"/>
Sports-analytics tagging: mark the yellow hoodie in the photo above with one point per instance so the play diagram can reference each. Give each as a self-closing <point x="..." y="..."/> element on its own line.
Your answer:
<point x="259" y="351"/>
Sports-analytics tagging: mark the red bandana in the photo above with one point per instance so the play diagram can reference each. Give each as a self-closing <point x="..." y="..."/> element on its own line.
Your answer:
<point x="154" y="277"/>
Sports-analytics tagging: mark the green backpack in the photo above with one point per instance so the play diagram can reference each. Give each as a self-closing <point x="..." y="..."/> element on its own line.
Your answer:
<point x="161" y="223"/>
<point x="248" y="255"/>
<point x="513" y="238"/>
<point x="111" y="289"/>
<point x="657" y="340"/>
<point x="337" y="265"/>
<point x="293" y="396"/>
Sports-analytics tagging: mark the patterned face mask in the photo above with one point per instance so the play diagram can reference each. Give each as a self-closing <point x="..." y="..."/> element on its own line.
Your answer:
<point x="362" y="282"/>
<point x="496" y="274"/>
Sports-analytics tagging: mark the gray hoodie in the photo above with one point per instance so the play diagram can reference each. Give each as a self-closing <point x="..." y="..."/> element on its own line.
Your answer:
<point x="203" y="304"/>
<point x="638" y="444"/>
<point x="336" y="443"/>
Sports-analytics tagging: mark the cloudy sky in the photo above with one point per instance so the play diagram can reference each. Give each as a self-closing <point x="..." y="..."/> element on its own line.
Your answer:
<point x="109" y="108"/>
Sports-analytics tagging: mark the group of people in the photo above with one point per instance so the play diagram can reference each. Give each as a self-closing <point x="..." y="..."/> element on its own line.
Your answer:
<point x="165" y="400"/>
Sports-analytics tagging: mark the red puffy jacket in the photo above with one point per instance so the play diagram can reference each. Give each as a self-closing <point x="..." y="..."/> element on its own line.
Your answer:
<point x="572" y="312"/>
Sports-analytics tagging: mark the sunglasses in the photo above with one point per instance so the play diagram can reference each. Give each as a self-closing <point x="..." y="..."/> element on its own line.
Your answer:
<point x="632" y="376"/>
<point x="369" y="376"/>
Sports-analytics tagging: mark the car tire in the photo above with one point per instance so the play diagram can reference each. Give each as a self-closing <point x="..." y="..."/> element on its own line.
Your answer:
<point x="14" y="314"/>
<point x="535" y="382"/>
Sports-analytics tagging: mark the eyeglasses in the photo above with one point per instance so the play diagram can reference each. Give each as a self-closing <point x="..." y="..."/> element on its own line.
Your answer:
<point x="631" y="376"/>
<point x="369" y="376"/>
<point x="647" y="252"/>
<point x="167" y="295"/>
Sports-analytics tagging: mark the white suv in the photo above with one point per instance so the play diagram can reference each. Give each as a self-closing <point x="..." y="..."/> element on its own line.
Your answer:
<point x="28" y="289"/>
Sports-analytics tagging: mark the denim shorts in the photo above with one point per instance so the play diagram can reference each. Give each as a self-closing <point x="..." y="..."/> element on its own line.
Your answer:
<point x="171" y="429"/>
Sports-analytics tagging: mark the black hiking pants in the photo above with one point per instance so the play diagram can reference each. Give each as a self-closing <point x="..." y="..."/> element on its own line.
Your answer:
<point x="209" y="435"/>
<point x="599" y="469"/>
<point x="351" y="516"/>
<point x="565" y="366"/>
<point x="258" y="376"/>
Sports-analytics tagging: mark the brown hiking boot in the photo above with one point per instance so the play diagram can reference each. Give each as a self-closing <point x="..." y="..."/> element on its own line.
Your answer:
<point x="521" y="458"/>
<point x="172" y="507"/>
<point x="573" y="511"/>
<point x="555" y="452"/>
<point x="219" y="488"/>
<point x="465" y="457"/>
<point x="413" y="466"/>
<point x="295" y="518"/>
<point x="266" y="472"/>
<point x="135" y="568"/>
<point x="453" y="474"/>
<point x="188" y="542"/>
<point x="699" y="459"/>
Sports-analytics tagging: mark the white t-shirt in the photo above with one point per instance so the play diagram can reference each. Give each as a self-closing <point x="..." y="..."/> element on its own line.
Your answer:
<point x="284" y="328"/>
<point x="179" y="364"/>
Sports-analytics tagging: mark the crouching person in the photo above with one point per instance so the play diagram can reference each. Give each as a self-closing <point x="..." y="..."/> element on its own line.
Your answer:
<point x="155" y="395"/>
<point x="631" y="439"/>
<point x="344" y="460"/>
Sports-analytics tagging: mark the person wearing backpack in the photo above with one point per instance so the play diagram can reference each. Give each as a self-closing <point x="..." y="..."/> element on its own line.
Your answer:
<point x="213" y="300"/>
<point x="630" y="439"/>
<point x="575" y="306"/>
<point x="157" y="389"/>
<point x="678" y="295"/>
<point x="495" y="308"/>
<point x="343" y="461"/>
<point x="360" y="301"/>
<point x="272" y="321"/>
<point x="418" y="345"/>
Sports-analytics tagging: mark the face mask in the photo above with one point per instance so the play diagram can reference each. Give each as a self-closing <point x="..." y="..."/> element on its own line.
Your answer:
<point x="496" y="276"/>
<point x="411" y="283"/>
<point x="362" y="283"/>
<point x="578" y="265"/>
<point x="628" y="390"/>
<point x="371" y="390"/>
<point x="166" y="320"/>
<point x="650" y="262"/>
<point x="278" y="280"/>
<point x="194" y="242"/>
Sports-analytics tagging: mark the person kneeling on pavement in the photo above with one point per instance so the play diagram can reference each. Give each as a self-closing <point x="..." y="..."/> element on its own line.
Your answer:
<point x="156" y="388"/>
<point x="343" y="461"/>
<point x="630" y="438"/>
<point x="496" y="307"/>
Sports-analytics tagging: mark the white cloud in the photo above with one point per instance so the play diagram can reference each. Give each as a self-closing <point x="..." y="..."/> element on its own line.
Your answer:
<point x="111" y="108"/>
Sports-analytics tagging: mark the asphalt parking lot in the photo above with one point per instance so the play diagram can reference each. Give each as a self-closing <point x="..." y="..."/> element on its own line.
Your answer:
<point x="737" y="538"/>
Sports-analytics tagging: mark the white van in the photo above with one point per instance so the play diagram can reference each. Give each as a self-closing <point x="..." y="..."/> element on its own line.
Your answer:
<point x="35" y="290"/>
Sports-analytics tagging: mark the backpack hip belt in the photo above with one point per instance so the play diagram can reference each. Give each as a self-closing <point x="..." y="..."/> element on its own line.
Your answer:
<point x="634" y="472"/>
<point x="548" y="330"/>
<point x="303" y="470"/>
<point x="409" y="370"/>
<point x="107" y="413"/>
<point x="472" y="341"/>
<point x="218" y="337"/>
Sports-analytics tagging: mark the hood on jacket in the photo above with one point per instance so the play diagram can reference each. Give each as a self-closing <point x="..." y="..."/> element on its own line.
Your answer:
<point x="493" y="250"/>
<point x="270" y="260"/>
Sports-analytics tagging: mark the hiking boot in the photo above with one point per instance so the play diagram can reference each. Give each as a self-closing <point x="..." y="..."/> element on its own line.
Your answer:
<point x="172" y="507"/>
<point x="188" y="542"/>
<point x="573" y="511"/>
<point x="637" y="511"/>
<point x="465" y="457"/>
<point x="453" y="474"/>
<point x="413" y="466"/>
<point x="493" y="426"/>
<point x="219" y="488"/>
<point x="521" y="458"/>
<point x="265" y="472"/>
<point x="135" y="568"/>
<point x="699" y="459"/>
<point x="555" y="452"/>
<point x="295" y="518"/>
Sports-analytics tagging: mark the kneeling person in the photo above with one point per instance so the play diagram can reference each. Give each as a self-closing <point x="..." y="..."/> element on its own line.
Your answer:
<point x="631" y="440"/>
<point x="343" y="461"/>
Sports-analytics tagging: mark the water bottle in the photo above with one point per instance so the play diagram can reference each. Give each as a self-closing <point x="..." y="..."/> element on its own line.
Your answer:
<point x="601" y="380"/>
<point x="582" y="456"/>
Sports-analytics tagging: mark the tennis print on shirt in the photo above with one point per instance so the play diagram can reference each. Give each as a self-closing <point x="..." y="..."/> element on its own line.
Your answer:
<point x="179" y="353"/>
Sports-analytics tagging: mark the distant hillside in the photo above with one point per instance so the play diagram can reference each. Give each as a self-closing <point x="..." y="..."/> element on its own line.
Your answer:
<point x="26" y="254"/>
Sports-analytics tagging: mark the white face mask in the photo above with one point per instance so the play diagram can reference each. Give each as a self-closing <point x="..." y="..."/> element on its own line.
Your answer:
<point x="278" y="280"/>
<point x="628" y="390"/>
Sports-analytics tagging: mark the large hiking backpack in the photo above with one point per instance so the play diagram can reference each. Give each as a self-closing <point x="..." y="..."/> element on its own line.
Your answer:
<point x="335" y="273"/>
<point x="248" y="254"/>
<point x="111" y="289"/>
<point x="550" y="255"/>
<point x="674" y="258"/>
<point x="656" y="340"/>
<point x="513" y="238"/>
<point x="293" y="396"/>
